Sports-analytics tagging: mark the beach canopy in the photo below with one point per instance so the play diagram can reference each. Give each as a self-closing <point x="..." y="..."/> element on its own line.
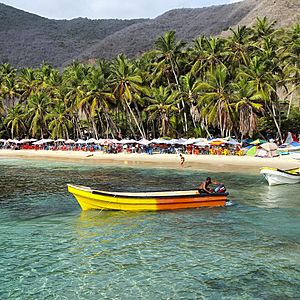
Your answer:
<point x="60" y="140"/>
<point x="201" y="144"/>
<point x="258" y="142"/>
<point x="69" y="141"/>
<point x="217" y="142"/>
<point x="2" y="141"/>
<point x="144" y="142"/>
<point x="232" y="142"/>
<point x="269" y="146"/>
<point x="80" y="141"/>
<point x="124" y="141"/>
<point x="42" y="141"/>
<point x="91" y="141"/>
<point x="290" y="137"/>
<point x="24" y="141"/>
<point x="251" y="151"/>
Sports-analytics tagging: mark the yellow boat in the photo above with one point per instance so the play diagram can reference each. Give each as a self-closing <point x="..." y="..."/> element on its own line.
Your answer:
<point x="148" y="201"/>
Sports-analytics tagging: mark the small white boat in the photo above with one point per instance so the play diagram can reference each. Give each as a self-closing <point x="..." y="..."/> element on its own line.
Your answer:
<point x="277" y="176"/>
<point x="295" y="155"/>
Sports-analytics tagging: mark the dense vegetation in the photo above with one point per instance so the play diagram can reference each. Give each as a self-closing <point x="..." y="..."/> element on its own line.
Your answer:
<point x="242" y="85"/>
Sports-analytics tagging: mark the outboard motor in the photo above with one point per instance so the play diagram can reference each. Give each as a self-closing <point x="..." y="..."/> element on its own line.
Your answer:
<point x="220" y="188"/>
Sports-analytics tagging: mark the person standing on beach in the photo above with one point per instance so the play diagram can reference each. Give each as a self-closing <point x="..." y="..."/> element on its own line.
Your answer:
<point x="182" y="160"/>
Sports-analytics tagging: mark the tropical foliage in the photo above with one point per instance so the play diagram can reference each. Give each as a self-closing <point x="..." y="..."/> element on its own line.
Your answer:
<point x="244" y="85"/>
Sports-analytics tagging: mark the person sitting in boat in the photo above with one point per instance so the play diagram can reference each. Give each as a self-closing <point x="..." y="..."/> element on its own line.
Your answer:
<point x="204" y="186"/>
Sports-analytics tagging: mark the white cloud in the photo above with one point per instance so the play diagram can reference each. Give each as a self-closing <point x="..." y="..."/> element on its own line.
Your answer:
<point x="104" y="9"/>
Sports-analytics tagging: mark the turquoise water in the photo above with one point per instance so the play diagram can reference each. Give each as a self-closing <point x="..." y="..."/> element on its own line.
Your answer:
<point x="51" y="250"/>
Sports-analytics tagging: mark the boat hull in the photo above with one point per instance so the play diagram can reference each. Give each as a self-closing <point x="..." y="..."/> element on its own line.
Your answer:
<point x="277" y="177"/>
<point x="93" y="199"/>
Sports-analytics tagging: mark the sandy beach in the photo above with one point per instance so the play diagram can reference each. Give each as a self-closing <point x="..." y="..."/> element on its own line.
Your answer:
<point x="200" y="162"/>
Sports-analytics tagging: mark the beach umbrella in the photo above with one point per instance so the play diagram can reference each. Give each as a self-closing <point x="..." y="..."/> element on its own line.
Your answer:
<point x="69" y="141"/>
<point x="90" y="141"/>
<point x="233" y="142"/>
<point x="201" y="144"/>
<point x="257" y="142"/>
<point x="32" y="140"/>
<point x="252" y="151"/>
<point x="124" y="141"/>
<point x="40" y="142"/>
<point x="100" y="141"/>
<point x="107" y="142"/>
<point x="160" y="141"/>
<point x="217" y="142"/>
<point x="2" y="141"/>
<point x="60" y="140"/>
<point x="80" y="141"/>
<point x="24" y="141"/>
<point x="143" y="142"/>
<point x="269" y="146"/>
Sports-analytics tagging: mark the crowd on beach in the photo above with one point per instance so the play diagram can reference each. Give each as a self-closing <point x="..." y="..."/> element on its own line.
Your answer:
<point x="200" y="146"/>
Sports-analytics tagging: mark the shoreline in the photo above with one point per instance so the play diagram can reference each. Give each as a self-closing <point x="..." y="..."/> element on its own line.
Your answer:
<point x="240" y="164"/>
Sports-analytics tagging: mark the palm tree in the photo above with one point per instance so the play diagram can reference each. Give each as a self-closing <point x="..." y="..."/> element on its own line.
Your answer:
<point x="37" y="109"/>
<point x="247" y="106"/>
<point x="162" y="107"/>
<point x="127" y="85"/>
<point x="190" y="94"/>
<point x="98" y="97"/>
<point x="15" y="121"/>
<point x="60" y="123"/>
<point x="169" y="52"/>
<point x="215" y="100"/>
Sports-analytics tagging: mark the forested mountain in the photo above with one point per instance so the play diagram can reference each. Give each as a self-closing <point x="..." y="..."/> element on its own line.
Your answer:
<point x="28" y="40"/>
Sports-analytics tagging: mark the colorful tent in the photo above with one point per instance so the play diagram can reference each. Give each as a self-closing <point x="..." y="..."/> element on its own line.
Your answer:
<point x="258" y="142"/>
<point x="252" y="151"/>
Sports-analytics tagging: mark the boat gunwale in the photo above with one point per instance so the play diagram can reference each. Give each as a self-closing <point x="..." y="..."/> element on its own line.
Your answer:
<point x="156" y="195"/>
<point x="286" y="172"/>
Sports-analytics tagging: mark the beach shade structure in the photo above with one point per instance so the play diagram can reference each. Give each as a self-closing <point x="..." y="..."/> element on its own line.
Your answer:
<point x="191" y="141"/>
<point x="124" y="141"/>
<point x="69" y="141"/>
<point x="91" y="141"/>
<point x="252" y="151"/>
<point x="40" y="142"/>
<point x="267" y="150"/>
<point x="107" y="142"/>
<point x="217" y="142"/>
<point x="80" y="141"/>
<point x="161" y="141"/>
<point x="258" y="142"/>
<point x="33" y="140"/>
<point x="14" y="141"/>
<point x="202" y="144"/>
<point x="59" y="140"/>
<point x="23" y="141"/>
<point x="290" y="137"/>
<point x="2" y="141"/>
<point x="43" y="141"/>
<point x="247" y="142"/>
<point x="143" y="142"/>
<point x="269" y="146"/>
<point x="232" y="142"/>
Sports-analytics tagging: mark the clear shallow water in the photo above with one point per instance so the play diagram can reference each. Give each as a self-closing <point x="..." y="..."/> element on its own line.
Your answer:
<point x="49" y="249"/>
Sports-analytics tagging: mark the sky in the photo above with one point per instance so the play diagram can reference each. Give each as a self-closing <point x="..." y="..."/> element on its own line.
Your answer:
<point x="106" y="9"/>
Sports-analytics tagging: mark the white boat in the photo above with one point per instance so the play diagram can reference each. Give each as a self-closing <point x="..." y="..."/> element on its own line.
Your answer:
<point x="277" y="176"/>
<point x="295" y="155"/>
